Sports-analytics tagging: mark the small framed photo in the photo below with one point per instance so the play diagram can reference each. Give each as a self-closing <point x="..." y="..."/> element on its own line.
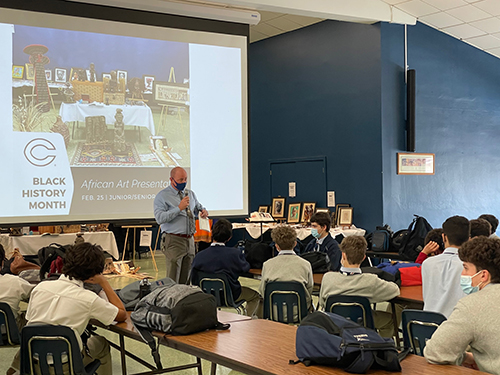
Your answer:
<point x="345" y="216"/>
<point x="17" y="71"/>
<point x="48" y="75"/>
<point x="149" y="83"/>
<point x="337" y="212"/>
<point x="278" y="208"/>
<point x="30" y="71"/>
<point x="294" y="213"/>
<point x="122" y="74"/>
<point x="263" y="209"/>
<point x="307" y="212"/>
<point x="77" y="74"/>
<point x="60" y="75"/>
<point x="106" y="76"/>
<point x="415" y="163"/>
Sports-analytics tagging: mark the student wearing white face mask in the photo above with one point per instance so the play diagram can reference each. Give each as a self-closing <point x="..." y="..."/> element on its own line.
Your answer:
<point x="474" y="322"/>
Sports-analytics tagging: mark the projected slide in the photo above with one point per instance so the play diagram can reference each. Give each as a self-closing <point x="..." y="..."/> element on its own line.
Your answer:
<point x="97" y="121"/>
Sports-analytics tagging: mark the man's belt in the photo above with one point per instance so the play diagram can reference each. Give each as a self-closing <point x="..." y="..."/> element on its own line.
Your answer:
<point x="180" y="235"/>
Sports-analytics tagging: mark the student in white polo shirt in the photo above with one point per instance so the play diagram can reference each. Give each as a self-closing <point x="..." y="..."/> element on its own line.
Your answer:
<point x="66" y="302"/>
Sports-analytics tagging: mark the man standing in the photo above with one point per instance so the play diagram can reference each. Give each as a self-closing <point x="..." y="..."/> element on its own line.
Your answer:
<point x="175" y="209"/>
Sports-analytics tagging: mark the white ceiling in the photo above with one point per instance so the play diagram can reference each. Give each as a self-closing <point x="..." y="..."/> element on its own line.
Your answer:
<point x="476" y="22"/>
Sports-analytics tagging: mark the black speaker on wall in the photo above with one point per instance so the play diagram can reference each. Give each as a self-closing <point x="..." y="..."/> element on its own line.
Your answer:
<point x="410" y="110"/>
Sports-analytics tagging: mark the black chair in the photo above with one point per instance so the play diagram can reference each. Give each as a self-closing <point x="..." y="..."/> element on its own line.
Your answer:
<point x="418" y="327"/>
<point x="355" y="308"/>
<point x="217" y="285"/>
<point x="8" y="326"/>
<point x="46" y="348"/>
<point x="285" y="301"/>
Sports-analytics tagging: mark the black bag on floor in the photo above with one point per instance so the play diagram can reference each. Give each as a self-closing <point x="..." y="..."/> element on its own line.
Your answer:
<point x="320" y="262"/>
<point x="257" y="253"/>
<point x="414" y="241"/>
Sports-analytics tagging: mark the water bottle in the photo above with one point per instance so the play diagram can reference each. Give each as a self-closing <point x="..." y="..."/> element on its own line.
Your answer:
<point x="144" y="288"/>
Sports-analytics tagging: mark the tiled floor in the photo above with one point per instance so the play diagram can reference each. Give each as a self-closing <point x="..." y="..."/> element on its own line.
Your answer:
<point x="170" y="357"/>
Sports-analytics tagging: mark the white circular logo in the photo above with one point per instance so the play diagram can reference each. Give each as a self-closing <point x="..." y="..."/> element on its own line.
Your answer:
<point x="37" y="152"/>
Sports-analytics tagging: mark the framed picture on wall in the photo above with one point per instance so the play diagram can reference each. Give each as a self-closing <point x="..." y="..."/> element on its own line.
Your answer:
<point x="60" y="75"/>
<point x="415" y="163"/>
<point x="294" y="213"/>
<point x="307" y="212"/>
<point x="345" y="216"/>
<point x="278" y="208"/>
<point x="263" y="209"/>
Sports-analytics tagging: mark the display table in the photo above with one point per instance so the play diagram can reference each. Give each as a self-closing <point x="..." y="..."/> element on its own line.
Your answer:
<point x="136" y="115"/>
<point x="254" y="230"/>
<point x="29" y="245"/>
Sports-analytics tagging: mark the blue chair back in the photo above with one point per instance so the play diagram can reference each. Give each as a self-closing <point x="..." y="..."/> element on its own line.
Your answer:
<point x="46" y="349"/>
<point x="217" y="285"/>
<point x="418" y="327"/>
<point x="8" y="326"/>
<point x="285" y="301"/>
<point x="355" y="308"/>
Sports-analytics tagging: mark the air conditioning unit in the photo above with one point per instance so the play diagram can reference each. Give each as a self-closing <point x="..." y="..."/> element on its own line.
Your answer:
<point x="210" y="11"/>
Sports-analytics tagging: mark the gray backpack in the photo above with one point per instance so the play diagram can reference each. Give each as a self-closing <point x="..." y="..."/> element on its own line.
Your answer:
<point x="130" y="295"/>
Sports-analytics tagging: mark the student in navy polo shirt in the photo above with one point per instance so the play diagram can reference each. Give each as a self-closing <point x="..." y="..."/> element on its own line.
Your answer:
<point x="323" y="240"/>
<point x="219" y="258"/>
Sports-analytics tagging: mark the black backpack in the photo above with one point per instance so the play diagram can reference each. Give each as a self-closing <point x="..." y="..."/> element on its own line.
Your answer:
<point x="381" y="239"/>
<point x="257" y="253"/>
<point x="320" y="262"/>
<point x="397" y="240"/>
<point x="48" y="254"/>
<point x="414" y="241"/>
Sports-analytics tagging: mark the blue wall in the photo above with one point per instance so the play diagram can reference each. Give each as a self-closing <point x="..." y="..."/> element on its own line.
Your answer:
<point x="316" y="92"/>
<point x="457" y="118"/>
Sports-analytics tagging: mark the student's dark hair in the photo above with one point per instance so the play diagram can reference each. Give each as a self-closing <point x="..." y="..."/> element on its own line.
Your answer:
<point x="435" y="235"/>
<point x="480" y="227"/>
<point x="222" y="230"/>
<point x="457" y="229"/>
<point x="2" y="255"/>
<point x="492" y="220"/>
<point x="484" y="253"/>
<point x="83" y="261"/>
<point x="354" y="248"/>
<point x="322" y="219"/>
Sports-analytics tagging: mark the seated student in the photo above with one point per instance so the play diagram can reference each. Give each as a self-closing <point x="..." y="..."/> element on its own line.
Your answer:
<point x="441" y="273"/>
<point x="433" y="245"/>
<point x="65" y="302"/>
<point x="480" y="227"/>
<point x="287" y="266"/>
<point x="219" y="258"/>
<point x="494" y="224"/>
<point x="13" y="290"/>
<point x="351" y="282"/>
<point x="323" y="241"/>
<point x="474" y="321"/>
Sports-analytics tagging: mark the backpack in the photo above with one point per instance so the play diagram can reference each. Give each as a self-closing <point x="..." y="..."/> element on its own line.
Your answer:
<point x="397" y="240"/>
<point x="414" y="242"/>
<point x="49" y="254"/>
<point x="329" y="339"/>
<point x="381" y="239"/>
<point x="177" y="309"/>
<point x="257" y="253"/>
<point x="131" y="294"/>
<point x="320" y="262"/>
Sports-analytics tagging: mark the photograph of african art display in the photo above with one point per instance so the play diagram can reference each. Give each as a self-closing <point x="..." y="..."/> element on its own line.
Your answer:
<point x="116" y="100"/>
<point x="278" y="208"/>
<point x="307" y="212"/>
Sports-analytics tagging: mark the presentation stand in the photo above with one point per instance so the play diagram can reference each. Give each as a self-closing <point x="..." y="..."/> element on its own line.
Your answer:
<point x="134" y="227"/>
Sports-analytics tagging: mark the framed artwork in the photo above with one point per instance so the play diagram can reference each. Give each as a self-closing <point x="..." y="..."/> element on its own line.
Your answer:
<point x="149" y="83"/>
<point x="48" y="75"/>
<point x="76" y="74"/>
<point x="169" y="92"/>
<point x="307" y="212"/>
<point x="263" y="209"/>
<point x="278" y="208"/>
<point x="122" y="74"/>
<point x="337" y="213"/>
<point x="30" y="71"/>
<point x="415" y="163"/>
<point x="17" y="71"/>
<point x="60" y="75"/>
<point x="106" y="75"/>
<point x="345" y="216"/>
<point x="294" y="213"/>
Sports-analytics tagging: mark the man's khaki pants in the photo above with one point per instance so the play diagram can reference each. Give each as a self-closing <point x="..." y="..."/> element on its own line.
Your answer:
<point x="179" y="254"/>
<point x="254" y="301"/>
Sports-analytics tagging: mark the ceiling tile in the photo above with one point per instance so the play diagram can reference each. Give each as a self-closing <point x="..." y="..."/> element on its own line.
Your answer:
<point x="284" y="24"/>
<point x="440" y="20"/>
<point x="266" y="16"/>
<point x="394" y="2"/>
<point x="256" y="36"/>
<point x="464" y="31"/>
<point x="484" y="42"/>
<point x="494" y="52"/>
<point x="303" y="20"/>
<point x="468" y="13"/>
<point x="490" y="6"/>
<point x="417" y="8"/>
<point x="489" y="25"/>
<point x="266" y="29"/>
<point x="446" y="4"/>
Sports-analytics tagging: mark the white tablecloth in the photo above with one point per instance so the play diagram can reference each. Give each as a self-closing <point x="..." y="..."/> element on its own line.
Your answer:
<point x="137" y="115"/>
<point x="29" y="245"/>
<point x="254" y="230"/>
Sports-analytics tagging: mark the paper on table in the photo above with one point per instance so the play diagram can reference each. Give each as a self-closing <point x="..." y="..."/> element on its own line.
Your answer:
<point x="204" y="224"/>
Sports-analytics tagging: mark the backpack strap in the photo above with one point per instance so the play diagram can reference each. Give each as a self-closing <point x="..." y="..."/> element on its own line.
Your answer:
<point x="390" y="362"/>
<point x="361" y="363"/>
<point x="150" y="340"/>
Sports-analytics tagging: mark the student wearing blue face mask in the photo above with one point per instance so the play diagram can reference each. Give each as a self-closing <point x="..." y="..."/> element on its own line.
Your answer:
<point x="474" y="322"/>
<point x="323" y="241"/>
